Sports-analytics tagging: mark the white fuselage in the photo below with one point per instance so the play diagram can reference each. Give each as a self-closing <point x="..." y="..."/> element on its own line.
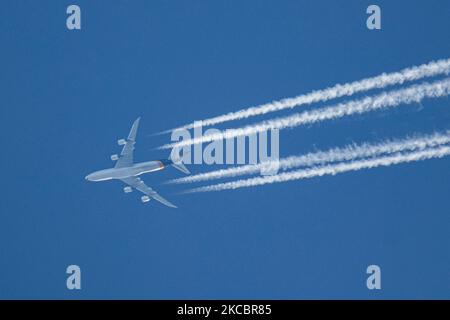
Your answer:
<point x="126" y="172"/>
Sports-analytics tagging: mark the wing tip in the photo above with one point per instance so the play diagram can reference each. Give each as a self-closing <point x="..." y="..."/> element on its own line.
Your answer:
<point x="136" y="122"/>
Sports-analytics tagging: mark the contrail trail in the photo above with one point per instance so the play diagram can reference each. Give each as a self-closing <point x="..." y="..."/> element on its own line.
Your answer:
<point x="415" y="93"/>
<point x="430" y="69"/>
<point x="347" y="153"/>
<point x="332" y="169"/>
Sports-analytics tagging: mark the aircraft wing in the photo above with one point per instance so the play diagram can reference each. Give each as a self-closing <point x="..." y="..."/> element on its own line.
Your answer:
<point x="139" y="185"/>
<point x="126" y="156"/>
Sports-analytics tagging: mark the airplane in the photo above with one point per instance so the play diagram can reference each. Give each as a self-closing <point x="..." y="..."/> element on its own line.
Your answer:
<point x="129" y="172"/>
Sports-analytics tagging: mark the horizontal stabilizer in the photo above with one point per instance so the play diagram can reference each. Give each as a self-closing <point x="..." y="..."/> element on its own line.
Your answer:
<point x="180" y="166"/>
<point x="177" y="163"/>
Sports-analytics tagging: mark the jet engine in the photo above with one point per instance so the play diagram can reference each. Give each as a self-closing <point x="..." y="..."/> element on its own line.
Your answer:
<point x="145" y="199"/>
<point x="121" y="142"/>
<point x="127" y="189"/>
<point x="114" y="157"/>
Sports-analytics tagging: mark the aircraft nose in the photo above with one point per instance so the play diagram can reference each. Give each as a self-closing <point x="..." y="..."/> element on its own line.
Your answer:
<point x="87" y="177"/>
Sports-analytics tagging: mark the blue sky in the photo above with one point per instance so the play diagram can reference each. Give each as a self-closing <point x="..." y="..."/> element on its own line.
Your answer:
<point x="67" y="96"/>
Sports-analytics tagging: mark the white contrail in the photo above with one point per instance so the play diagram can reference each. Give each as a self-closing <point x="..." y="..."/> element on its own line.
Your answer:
<point x="347" y="153"/>
<point x="430" y="69"/>
<point x="331" y="169"/>
<point x="415" y="93"/>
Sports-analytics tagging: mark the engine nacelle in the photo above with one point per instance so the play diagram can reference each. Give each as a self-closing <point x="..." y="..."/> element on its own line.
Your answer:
<point x="121" y="142"/>
<point x="127" y="189"/>
<point x="145" y="199"/>
<point x="114" y="157"/>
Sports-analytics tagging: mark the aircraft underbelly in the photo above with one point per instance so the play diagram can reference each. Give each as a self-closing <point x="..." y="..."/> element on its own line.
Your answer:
<point x="138" y="169"/>
<point x="156" y="166"/>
